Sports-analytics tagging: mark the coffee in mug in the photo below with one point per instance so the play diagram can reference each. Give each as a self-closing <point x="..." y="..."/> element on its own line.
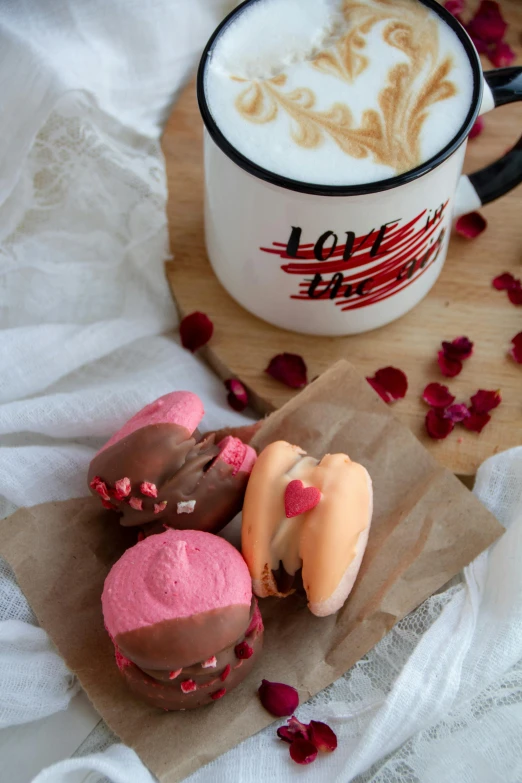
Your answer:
<point x="335" y="139"/>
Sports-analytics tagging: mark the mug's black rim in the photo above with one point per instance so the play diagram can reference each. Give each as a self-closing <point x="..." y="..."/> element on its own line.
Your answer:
<point x="344" y="190"/>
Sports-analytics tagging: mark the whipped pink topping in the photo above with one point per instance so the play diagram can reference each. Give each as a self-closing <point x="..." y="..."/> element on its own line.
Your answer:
<point x="175" y="574"/>
<point x="182" y="408"/>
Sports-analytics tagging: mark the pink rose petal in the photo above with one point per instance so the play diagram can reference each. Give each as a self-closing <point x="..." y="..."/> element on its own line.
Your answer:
<point x="437" y="395"/>
<point x="516" y="350"/>
<point x="195" y="331"/>
<point x="290" y="369"/>
<point x="278" y="699"/>
<point x="237" y="394"/>
<point x="477" y="128"/>
<point x="302" y="751"/>
<point x="457" y="413"/>
<point x="485" y="401"/>
<point x="471" y="225"/>
<point x="502" y="56"/>
<point x="448" y="367"/>
<point x="437" y="426"/>
<point x="476" y="421"/>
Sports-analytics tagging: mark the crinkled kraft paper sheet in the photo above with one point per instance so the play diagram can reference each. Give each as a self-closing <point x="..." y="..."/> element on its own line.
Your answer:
<point x="427" y="526"/>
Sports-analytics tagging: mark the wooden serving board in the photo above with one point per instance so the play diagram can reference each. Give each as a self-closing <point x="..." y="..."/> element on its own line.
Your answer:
<point x="461" y="303"/>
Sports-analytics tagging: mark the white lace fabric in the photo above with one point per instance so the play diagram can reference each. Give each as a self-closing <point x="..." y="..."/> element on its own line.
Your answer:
<point x="86" y="340"/>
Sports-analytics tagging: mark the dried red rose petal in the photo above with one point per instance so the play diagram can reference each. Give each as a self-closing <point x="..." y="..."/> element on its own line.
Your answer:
<point x="289" y="368"/>
<point x="237" y="394"/>
<point x="455" y="7"/>
<point x="195" y="331"/>
<point x="516" y="350"/>
<point x="488" y="25"/>
<point x="293" y="730"/>
<point x="390" y="383"/>
<point x="448" y="367"/>
<point x="457" y="413"/>
<point x="302" y="751"/>
<point x="471" y="225"/>
<point x="504" y="282"/>
<point x="278" y="699"/>
<point x="243" y="650"/>
<point x="460" y="348"/>
<point x="218" y="694"/>
<point x="437" y="426"/>
<point x="322" y="736"/>
<point x="476" y="421"/>
<point x="477" y="128"/>
<point x="515" y="293"/>
<point x="485" y="401"/>
<point x="437" y="395"/>
<point x="502" y="56"/>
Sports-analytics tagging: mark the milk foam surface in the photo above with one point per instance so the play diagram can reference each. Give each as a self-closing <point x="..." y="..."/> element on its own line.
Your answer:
<point x="338" y="92"/>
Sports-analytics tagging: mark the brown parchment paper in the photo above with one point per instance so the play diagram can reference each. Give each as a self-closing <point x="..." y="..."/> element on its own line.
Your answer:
<point x="426" y="527"/>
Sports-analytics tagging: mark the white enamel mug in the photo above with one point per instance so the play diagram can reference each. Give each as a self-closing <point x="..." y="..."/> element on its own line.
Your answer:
<point x="331" y="260"/>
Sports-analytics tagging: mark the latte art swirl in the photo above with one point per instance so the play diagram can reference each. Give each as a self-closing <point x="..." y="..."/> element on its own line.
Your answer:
<point x="390" y="87"/>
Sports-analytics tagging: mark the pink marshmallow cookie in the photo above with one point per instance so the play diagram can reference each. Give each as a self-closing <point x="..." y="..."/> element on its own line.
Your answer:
<point x="176" y="574"/>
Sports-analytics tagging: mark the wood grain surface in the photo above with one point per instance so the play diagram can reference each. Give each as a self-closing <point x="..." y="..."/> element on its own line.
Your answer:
<point x="461" y="303"/>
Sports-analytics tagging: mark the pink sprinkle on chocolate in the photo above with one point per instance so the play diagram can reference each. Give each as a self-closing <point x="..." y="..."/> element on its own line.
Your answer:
<point x="456" y="413"/>
<point x="278" y="699"/>
<point x="136" y="504"/>
<point x="243" y="650"/>
<point x="174" y="674"/>
<point x="322" y="736"/>
<point x="108" y="505"/>
<point x="237" y="394"/>
<point x="99" y="486"/>
<point x="437" y="426"/>
<point x="300" y="499"/>
<point x="218" y="694"/>
<point x="188" y="686"/>
<point x="195" y="331"/>
<point x="390" y="383"/>
<point x="226" y="671"/>
<point x="210" y="663"/>
<point x="122" y="488"/>
<point x="471" y="226"/>
<point x="437" y="395"/>
<point x="516" y="350"/>
<point x="303" y="751"/>
<point x="148" y="489"/>
<point x="159" y="507"/>
<point x="290" y="369"/>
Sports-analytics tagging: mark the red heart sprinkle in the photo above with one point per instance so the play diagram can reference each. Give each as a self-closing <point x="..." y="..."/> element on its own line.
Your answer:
<point x="299" y="499"/>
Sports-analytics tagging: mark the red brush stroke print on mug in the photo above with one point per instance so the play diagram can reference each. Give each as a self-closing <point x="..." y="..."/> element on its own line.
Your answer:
<point x="365" y="269"/>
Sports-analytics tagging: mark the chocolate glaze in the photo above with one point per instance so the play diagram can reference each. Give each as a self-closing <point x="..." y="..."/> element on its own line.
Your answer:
<point x="182" y="469"/>
<point x="173" y="644"/>
<point x="158" y="689"/>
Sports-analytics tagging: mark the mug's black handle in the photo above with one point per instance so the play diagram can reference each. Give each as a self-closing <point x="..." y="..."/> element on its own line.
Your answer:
<point x="505" y="174"/>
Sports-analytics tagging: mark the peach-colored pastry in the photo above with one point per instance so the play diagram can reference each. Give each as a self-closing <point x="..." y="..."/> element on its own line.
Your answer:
<point x="301" y="513"/>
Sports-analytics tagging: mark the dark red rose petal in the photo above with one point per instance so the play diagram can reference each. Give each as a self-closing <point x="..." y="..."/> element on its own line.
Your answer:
<point x="488" y="25"/>
<point x="390" y="383"/>
<point x="505" y="282"/>
<point x="485" y="401"/>
<point x="195" y="331"/>
<point x="448" y="367"/>
<point x="477" y="128"/>
<point x="461" y="348"/>
<point x="302" y="751"/>
<point x="455" y="7"/>
<point x="457" y="413"/>
<point x="437" y="426"/>
<point x="515" y="293"/>
<point x="322" y="736"/>
<point x="285" y="734"/>
<point x="471" y="225"/>
<point x="294" y="730"/>
<point x="289" y="368"/>
<point x="476" y="421"/>
<point x="278" y="699"/>
<point x="502" y="56"/>
<point x="237" y="394"/>
<point x="516" y="350"/>
<point x="381" y="391"/>
<point x="243" y="651"/>
<point x="437" y="395"/>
